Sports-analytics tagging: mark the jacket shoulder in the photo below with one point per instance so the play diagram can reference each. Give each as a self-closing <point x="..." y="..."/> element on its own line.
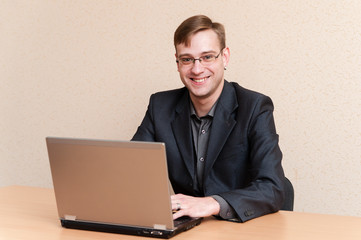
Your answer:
<point x="168" y="101"/>
<point x="249" y="97"/>
<point x="174" y="93"/>
<point x="244" y="92"/>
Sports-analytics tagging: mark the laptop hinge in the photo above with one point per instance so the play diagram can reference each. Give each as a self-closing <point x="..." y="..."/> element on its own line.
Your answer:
<point x="70" y="217"/>
<point x="159" y="226"/>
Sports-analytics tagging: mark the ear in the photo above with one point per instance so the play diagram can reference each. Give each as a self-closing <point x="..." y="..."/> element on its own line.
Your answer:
<point x="176" y="61"/>
<point x="226" y="55"/>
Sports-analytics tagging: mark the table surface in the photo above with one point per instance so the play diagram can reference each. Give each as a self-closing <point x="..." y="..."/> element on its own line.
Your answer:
<point x="30" y="213"/>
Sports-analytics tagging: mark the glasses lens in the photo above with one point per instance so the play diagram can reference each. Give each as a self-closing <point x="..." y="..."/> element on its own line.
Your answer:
<point x="208" y="59"/>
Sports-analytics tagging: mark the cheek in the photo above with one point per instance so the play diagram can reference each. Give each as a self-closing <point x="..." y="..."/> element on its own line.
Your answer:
<point x="218" y="70"/>
<point x="182" y="73"/>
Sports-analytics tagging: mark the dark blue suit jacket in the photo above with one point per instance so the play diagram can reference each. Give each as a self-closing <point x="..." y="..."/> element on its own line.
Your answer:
<point x="243" y="163"/>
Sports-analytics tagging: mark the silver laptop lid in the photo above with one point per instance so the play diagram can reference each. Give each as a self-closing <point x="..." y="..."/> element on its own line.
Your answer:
<point x="114" y="182"/>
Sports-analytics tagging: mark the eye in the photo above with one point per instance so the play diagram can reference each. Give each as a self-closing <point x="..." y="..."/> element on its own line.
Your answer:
<point x="208" y="57"/>
<point x="186" y="60"/>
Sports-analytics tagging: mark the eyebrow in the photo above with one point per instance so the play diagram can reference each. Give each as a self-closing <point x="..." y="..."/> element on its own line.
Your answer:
<point x="203" y="53"/>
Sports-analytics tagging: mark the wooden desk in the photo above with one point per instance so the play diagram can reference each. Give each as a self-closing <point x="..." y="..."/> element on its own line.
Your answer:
<point x="30" y="213"/>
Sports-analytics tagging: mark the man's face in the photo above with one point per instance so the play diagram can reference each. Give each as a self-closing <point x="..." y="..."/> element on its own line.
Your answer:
<point x="203" y="82"/>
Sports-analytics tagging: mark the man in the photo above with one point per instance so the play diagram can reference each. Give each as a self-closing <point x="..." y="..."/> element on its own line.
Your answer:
<point x="222" y="146"/>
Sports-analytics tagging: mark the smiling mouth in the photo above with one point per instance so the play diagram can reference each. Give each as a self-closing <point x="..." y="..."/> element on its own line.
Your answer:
<point x="199" y="80"/>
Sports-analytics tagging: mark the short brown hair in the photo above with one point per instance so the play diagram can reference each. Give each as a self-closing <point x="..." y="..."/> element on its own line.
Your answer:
<point x="196" y="24"/>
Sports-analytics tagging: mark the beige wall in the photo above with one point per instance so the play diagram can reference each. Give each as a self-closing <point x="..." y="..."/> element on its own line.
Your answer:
<point x="87" y="68"/>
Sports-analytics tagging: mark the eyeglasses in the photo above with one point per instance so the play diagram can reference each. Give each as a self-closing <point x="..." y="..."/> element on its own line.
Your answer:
<point x="205" y="60"/>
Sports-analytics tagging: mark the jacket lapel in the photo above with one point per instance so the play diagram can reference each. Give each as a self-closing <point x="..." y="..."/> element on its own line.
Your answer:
<point x="183" y="133"/>
<point x="222" y="125"/>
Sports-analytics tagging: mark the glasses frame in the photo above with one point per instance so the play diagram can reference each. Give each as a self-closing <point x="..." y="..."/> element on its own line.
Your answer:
<point x="200" y="59"/>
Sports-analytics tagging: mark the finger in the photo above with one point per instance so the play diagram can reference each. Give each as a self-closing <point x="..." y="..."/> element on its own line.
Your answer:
<point x="176" y="206"/>
<point x="178" y="214"/>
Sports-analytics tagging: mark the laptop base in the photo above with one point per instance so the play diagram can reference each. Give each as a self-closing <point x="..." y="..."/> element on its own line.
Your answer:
<point x="138" y="231"/>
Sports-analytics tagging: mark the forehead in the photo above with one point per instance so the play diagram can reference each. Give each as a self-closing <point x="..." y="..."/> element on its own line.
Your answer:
<point x="200" y="42"/>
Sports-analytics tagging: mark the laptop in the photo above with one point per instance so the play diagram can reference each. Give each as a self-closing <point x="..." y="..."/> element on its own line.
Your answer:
<point x="114" y="186"/>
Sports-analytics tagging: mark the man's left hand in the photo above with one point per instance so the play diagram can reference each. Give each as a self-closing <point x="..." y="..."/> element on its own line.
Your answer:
<point x="194" y="206"/>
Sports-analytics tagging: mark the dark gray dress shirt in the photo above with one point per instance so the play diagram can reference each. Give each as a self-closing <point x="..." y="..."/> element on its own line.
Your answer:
<point x="201" y="129"/>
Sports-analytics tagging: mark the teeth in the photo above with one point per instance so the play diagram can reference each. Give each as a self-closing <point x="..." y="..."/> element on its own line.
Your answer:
<point x="199" y="80"/>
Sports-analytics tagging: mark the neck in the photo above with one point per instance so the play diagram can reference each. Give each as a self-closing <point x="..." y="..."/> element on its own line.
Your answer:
<point x="202" y="106"/>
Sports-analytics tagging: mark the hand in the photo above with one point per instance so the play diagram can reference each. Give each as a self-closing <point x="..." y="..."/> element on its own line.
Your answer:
<point x="194" y="206"/>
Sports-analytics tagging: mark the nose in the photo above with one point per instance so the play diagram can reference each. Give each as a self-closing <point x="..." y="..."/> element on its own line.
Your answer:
<point x="197" y="67"/>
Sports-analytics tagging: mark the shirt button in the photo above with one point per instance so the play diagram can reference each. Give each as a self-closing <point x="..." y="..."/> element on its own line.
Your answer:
<point x="201" y="159"/>
<point x="203" y="131"/>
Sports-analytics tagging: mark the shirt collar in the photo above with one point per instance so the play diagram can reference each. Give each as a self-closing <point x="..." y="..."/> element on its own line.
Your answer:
<point x="209" y="114"/>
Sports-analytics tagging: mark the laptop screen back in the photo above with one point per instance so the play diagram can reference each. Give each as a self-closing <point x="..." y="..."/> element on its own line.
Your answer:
<point x="114" y="182"/>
